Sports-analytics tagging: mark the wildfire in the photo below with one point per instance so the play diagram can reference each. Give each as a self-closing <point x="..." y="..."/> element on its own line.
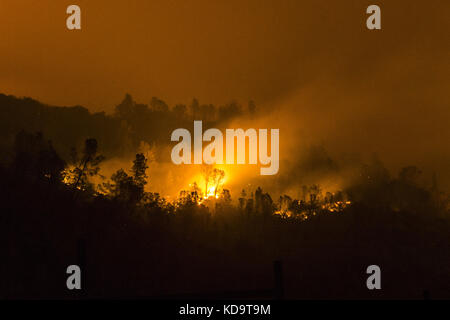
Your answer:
<point x="69" y="176"/>
<point x="309" y="210"/>
<point x="208" y="184"/>
<point x="211" y="192"/>
<point x="336" y="206"/>
<point x="206" y="188"/>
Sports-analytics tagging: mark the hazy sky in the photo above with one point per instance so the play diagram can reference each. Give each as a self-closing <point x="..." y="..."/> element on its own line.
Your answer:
<point x="384" y="91"/>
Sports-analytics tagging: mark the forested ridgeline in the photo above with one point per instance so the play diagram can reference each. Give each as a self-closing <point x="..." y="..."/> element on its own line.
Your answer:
<point x="119" y="133"/>
<point x="132" y="243"/>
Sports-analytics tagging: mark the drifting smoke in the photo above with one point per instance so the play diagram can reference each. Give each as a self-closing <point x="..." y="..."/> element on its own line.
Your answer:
<point x="338" y="92"/>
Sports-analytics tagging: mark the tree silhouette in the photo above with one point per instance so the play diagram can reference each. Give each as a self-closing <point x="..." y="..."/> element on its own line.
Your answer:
<point x="217" y="178"/>
<point x="88" y="166"/>
<point x="130" y="189"/>
<point x="139" y="170"/>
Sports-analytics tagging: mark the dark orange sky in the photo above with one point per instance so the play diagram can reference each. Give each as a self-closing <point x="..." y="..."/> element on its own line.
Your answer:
<point x="384" y="91"/>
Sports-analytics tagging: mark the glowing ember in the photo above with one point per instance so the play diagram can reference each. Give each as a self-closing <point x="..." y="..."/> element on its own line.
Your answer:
<point x="309" y="209"/>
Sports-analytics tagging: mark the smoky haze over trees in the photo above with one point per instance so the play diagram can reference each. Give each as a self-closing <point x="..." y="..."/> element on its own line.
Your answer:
<point x="137" y="243"/>
<point x="97" y="189"/>
<point x="317" y="63"/>
<point x="120" y="133"/>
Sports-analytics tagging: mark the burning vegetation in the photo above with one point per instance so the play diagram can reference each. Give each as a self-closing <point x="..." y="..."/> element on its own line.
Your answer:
<point x="209" y="191"/>
<point x="218" y="219"/>
<point x="205" y="225"/>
